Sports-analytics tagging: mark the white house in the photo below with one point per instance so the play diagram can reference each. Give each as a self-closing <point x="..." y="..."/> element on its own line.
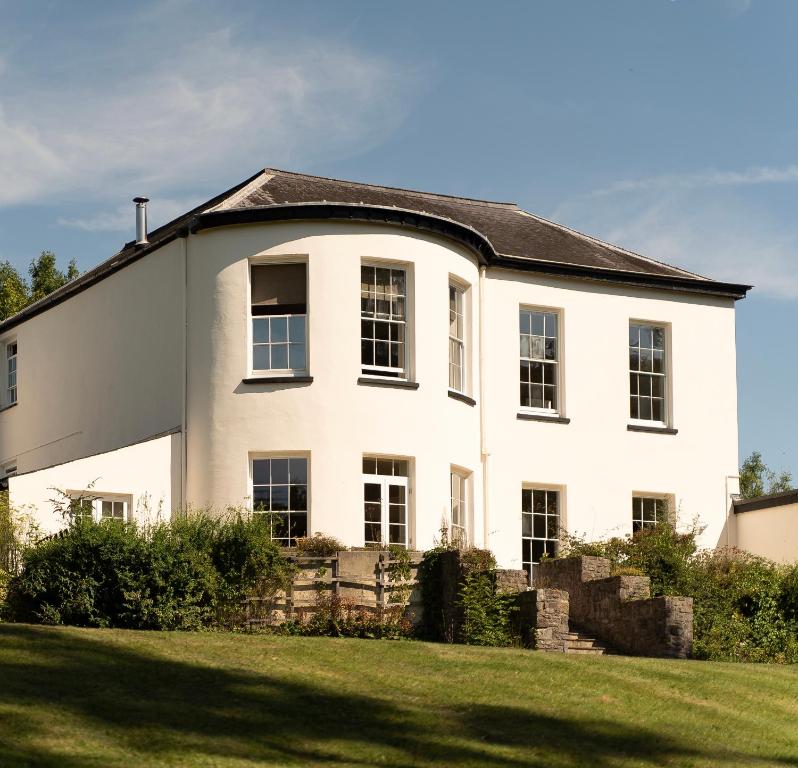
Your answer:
<point x="369" y="362"/>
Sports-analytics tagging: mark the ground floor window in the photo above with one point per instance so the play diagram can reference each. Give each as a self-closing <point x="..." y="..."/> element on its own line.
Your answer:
<point x="647" y="511"/>
<point x="459" y="508"/>
<point x="280" y="487"/>
<point x="385" y="491"/>
<point x="540" y="526"/>
<point x="90" y="507"/>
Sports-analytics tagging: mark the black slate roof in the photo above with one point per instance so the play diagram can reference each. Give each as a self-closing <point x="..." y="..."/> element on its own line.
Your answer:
<point x="503" y="234"/>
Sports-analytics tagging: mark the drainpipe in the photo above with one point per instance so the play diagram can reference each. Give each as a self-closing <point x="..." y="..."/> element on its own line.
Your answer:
<point x="482" y="426"/>
<point x="184" y="417"/>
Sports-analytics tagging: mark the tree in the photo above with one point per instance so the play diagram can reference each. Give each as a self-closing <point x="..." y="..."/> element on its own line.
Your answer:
<point x="14" y="293"/>
<point x="45" y="277"/>
<point x="757" y="479"/>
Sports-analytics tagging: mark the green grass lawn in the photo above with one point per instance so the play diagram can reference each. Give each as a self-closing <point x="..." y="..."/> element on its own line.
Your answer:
<point x="73" y="698"/>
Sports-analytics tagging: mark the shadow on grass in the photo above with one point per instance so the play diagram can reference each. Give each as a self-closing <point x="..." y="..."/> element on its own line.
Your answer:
<point x="157" y="709"/>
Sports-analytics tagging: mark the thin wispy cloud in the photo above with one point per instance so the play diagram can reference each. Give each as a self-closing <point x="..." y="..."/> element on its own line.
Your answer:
<point x="725" y="240"/>
<point x="196" y="114"/>
<point x="121" y="218"/>
<point x="703" y="180"/>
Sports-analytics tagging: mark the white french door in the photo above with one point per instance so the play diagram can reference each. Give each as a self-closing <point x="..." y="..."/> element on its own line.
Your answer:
<point x="385" y="509"/>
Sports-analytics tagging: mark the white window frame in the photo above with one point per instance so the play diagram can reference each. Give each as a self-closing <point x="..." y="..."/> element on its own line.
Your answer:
<point x="391" y="373"/>
<point x="458" y="346"/>
<point x="661" y="498"/>
<point x="385" y="481"/>
<point x="10" y="392"/>
<point x="664" y="375"/>
<point x="531" y="537"/>
<point x="253" y="457"/>
<point x="557" y="363"/>
<point x="460" y="500"/>
<point x="96" y="500"/>
<point x="266" y="261"/>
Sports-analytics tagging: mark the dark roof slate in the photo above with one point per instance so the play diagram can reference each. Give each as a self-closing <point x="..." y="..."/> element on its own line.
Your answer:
<point x="511" y="236"/>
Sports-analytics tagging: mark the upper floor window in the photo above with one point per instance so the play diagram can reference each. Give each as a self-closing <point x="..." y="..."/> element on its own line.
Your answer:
<point x="383" y="321"/>
<point x="280" y="486"/>
<point x="539" y="360"/>
<point x="385" y="491"/>
<point x="459" y="508"/>
<point x="647" y="511"/>
<point x="11" y="373"/>
<point x="540" y="526"/>
<point x="647" y="372"/>
<point x="279" y="317"/>
<point x="456" y="338"/>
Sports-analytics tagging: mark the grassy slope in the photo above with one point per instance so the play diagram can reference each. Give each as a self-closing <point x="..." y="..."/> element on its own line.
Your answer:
<point x="76" y="698"/>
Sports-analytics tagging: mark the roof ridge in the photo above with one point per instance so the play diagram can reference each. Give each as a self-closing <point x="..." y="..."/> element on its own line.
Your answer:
<point x="475" y="200"/>
<point x="612" y="246"/>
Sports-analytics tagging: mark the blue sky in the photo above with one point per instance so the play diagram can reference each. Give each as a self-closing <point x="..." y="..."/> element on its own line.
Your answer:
<point x="667" y="126"/>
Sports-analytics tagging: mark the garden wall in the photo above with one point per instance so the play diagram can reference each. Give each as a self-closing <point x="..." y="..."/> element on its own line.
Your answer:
<point x="619" y="609"/>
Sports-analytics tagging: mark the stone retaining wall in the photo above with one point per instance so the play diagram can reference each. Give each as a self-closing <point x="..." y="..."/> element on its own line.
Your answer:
<point x="542" y="618"/>
<point x="619" y="609"/>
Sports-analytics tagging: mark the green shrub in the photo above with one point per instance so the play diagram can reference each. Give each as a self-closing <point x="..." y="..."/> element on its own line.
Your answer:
<point x="188" y="574"/>
<point x="464" y="606"/>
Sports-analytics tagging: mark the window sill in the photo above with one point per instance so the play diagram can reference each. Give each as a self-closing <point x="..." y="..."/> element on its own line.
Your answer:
<point x="542" y="417"/>
<point x="278" y="380"/>
<point x="367" y="381"/>
<point x="653" y="430"/>
<point x="8" y="407"/>
<point x="455" y="395"/>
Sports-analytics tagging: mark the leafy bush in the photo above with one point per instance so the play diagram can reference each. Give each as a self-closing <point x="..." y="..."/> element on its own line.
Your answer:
<point x="460" y="599"/>
<point x="745" y="608"/>
<point x="318" y="545"/>
<point x="18" y="530"/>
<point x="191" y="573"/>
<point x="336" y="616"/>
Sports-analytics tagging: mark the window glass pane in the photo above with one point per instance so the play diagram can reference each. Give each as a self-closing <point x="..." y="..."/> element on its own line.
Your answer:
<point x="296" y="328"/>
<point x="298" y="525"/>
<point x="261" y="471"/>
<point x="278" y="328"/>
<point x="537" y="324"/>
<point x="279" y="356"/>
<point x="297" y="471"/>
<point x="369" y="465"/>
<point x="260" y="358"/>
<point x="298" y="497"/>
<point x="260" y="498"/>
<point x="260" y="330"/>
<point x="279" y="470"/>
<point x="525" y="322"/>
<point x="279" y="498"/>
<point x="385" y="466"/>
<point x="296" y="357"/>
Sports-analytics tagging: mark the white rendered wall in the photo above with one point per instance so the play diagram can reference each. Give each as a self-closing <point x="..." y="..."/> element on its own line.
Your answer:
<point x="101" y="370"/>
<point x="334" y="420"/>
<point x="147" y="474"/>
<point x="108" y="372"/>
<point x="770" y="533"/>
<point x="595" y="460"/>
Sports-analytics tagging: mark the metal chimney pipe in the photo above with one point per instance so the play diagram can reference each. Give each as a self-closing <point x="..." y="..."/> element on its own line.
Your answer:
<point x="141" y="220"/>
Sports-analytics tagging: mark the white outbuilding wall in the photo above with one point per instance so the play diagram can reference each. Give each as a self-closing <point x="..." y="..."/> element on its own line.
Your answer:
<point x="145" y="476"/>
<point x="771" y="531"/>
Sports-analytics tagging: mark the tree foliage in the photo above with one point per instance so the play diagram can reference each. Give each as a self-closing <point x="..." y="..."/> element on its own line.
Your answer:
<point x="44" y="277"/>
<point x="757" y="479"/>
